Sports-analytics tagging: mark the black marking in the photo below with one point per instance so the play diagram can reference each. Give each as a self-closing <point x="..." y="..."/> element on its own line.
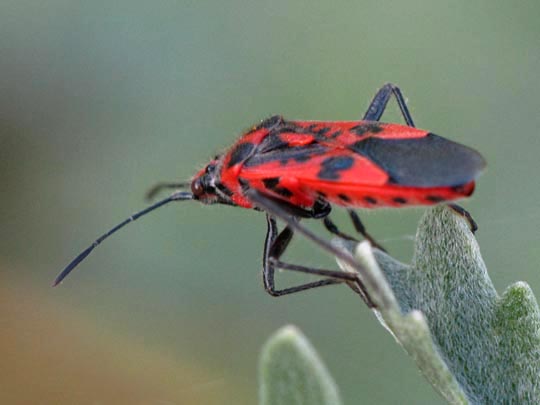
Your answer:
<point x="464" y="189"/>
<point x="272" y="183"/>
<point x="399" y="200"/>
<point x="365" y="128"/>
<point x="344" y="197"/>
<point x="271" y="122"/>
<point x="240" y="153"/>
<point x="430" y="161"/>
<point x="224" y="189"/>
<point x="284" y="155"/>
<point x="370" y="200"/>
<point x="336" y="134"/>
<point x="290" y="129"/>
<point x="435" y="198"/>
<point x="272" y="142"/>
<point x="284" y="192"/>
<point x="301" y="157"/>
<point x="322" y="131"/>
<point x="330" y="167"/>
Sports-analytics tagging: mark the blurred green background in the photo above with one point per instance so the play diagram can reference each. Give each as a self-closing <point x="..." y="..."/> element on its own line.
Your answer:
<point x="99" y="100"/>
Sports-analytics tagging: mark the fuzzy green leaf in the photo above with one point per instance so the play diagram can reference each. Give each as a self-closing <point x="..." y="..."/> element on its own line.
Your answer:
<point x="472" y="345"/>
<point x="291" y="372"/>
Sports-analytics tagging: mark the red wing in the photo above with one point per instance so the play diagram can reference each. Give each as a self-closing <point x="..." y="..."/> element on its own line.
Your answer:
<point x="354" y="163"/>
<point x="300" y="175"/>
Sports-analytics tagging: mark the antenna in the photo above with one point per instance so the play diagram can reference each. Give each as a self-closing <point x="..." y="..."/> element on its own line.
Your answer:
<point x="150" y="194"/>
<point x="178" y="196"/>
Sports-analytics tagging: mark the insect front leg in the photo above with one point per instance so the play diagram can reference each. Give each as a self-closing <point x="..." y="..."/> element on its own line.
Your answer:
<point x="274" y="246"/>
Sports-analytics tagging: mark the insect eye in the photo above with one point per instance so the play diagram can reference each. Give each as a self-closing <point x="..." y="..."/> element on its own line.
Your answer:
<point x="197" y="188"/>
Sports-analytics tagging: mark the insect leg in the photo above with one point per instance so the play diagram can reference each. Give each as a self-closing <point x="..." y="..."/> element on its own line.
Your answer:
<point x="271" y="262"/>
<point x="274" y="210"/>
<point x="332" y="228"/>
<point x="361" y="229"/>
<point x="465" y="214"/>
<point x="358" y="225"/>
<point x="379" y="102"/>
<point x="274" y="246"/>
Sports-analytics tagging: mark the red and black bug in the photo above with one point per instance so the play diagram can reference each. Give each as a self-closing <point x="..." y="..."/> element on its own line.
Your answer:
<point x="299" y="169"/>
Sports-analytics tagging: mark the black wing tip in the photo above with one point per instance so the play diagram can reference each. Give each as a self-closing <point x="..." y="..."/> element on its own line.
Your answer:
<point x="481" y="162"/>
<point x="429" y="161"/>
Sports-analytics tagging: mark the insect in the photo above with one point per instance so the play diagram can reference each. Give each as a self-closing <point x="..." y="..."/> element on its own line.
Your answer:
<point x="299" y="169"/>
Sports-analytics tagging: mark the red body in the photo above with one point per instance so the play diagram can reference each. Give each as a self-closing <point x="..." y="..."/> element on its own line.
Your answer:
<point x="299" y="169"/>
<point x="347" y="163"/>
<point x="306" y="166"/>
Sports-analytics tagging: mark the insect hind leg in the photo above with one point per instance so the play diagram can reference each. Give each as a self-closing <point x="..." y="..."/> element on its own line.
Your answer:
<point x="465" y="214"/>
<point x="361" y="229"/>
<point x="380" y="101"/>
<point x="332" y="228"/>
<point x="358" y="226"/>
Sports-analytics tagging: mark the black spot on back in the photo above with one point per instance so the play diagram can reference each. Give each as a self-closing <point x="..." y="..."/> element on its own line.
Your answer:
<point x="370" y="200"/>
<point x="434" y="198"/>
<point x="430" y="161"/>
<point x="400" y="200"/>
<point x="464" y="189"/>
<point x="330" y="167"/>
<point x="271" y="142"/>
<point x="290" y="128"/>
<point x="322" y="131"/>
<point x="272" y="183"/>
<point x="367" y="127"/>
<point x="335" y="134"/>
<point x="303" y="155"/>
<point x="286" y="154"/>
<point x="240" y="153"/>
<point x="344" y="197"/>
